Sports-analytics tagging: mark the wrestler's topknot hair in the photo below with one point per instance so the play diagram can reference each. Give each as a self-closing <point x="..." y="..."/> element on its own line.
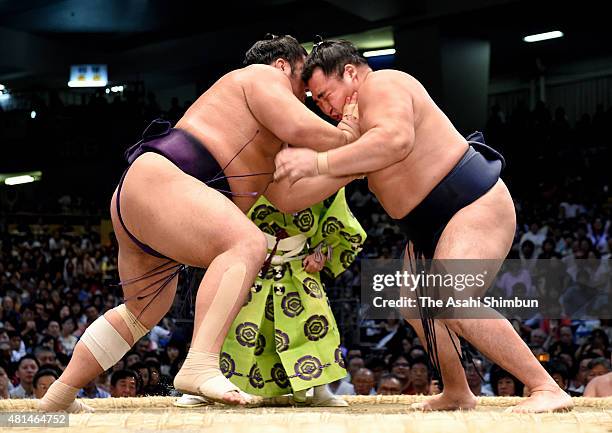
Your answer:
<point x="331" y="56"/>
<point x="274" y="47"/>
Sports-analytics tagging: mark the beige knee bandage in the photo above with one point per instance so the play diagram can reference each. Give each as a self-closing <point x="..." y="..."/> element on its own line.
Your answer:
<point x="105" y="343"/>
<point x="225" y="299"/>
<point x="137" y="329"/>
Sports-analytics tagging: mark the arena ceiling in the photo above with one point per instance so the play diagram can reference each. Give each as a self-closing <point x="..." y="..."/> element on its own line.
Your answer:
<point x="39" y="38"/>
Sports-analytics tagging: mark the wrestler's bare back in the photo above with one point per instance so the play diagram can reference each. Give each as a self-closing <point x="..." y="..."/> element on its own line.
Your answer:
<point x="437" y="145"/>
<point x="222" y="121"/>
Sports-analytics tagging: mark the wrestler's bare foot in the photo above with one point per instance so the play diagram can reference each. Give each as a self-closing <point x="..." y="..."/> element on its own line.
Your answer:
<point x="447" y="401"/>
<point x="234" y="398"/>
<point x="545" y="399"/>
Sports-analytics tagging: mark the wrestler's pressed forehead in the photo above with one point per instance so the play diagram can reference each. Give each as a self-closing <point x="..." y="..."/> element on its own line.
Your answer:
<point x="319" y="84"/>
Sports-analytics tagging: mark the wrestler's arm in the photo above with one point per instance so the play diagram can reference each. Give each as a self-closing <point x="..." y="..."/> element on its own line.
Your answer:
<point x="388" y="118"/>
<point x="306" y="192"/>
<point x="385" y="106"/>
<point x="272" y="102"/>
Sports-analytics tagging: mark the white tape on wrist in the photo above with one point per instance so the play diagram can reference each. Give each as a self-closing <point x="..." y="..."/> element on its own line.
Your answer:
<point x="322" y="163"/>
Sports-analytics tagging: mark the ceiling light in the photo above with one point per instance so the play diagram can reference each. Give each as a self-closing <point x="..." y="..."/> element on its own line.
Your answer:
<point x="376" y="53"/>
<point x="17" y="180"/>
<point x="543" y="36"/>
<point x="87" y="83"/>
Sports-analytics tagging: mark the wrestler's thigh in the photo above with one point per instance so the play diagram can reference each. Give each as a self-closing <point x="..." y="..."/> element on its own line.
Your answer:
<point x="476" y="241"/>
<point x="179" y="216"/>
<point x="483" y="230"/>
<point x="134" y="263"/>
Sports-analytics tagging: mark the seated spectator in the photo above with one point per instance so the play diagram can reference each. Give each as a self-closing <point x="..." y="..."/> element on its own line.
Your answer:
<point x="548" y="250"/>
<point x="571" y="209"/>
<point x="5" y="384"/>
<point x="175" y="351"/>
<point x="406" y="345"/>
<point x="132" y="358"/>
<point x="417" y="350"/>
<point x="4" y="336"/>
<point x="143" y="347"/>
<point x="92" y="313"/>
<point x="378" y="367"/>
<point x="598" y="234"/>
<point x="389" y="385"/>
<point x="43" y="380"/>
<point x="27" y="325"/>
<point x="5" y="354"/>
<point x="67" y="339"/>
<point x="77" y="312"/>
<point x="363" y="382"/>
<point x="474" y="372"/>
<point x="159" y="335"/>
<point x="354" y="364"/>
<point x="400" y="369"/>
<point x="91" y="390"/>
<point x="577" y="298"/>
<point x="527" y="255"/>
<point x="568" y="360"/>
<point x="18" y="349"/>
<point x="565" y="344"/>
<point x="514" y="275"/>
<point x="124" y="383"/>
<point x="419" y="377"/>
<point x="539" y="338"/>
<point x="151" y="357"/>
<point x="158" y="384"/>
<point x="599" y="340"/>
<point x="596" y="344"/>
<point x="45" y="356"/>
<point x="578" y="383"/>
<point x="49" y="342"/>
<point x="504" y="384"/>
<point x="143" y="373"/>
<point x="8" y="314"/>
<point x="536" y="235"/>
<point x="26" y="370"/>
<point x="53" y="329"/>
<point x="598" y="367"/>
<point x="43" y="316"/>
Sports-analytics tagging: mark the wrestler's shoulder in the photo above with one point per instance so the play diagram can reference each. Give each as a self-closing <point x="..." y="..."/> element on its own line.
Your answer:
<point x="392" y="77"/>
<point x="259" y="72"/>
<point x="603" y="380"/>
<point x="600" y="386"/>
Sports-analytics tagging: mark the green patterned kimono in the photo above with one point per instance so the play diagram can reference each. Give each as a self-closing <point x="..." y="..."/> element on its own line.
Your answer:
<point x="285" y="338"/>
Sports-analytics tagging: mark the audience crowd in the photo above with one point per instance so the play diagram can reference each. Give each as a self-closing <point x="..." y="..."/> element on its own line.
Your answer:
<point x="56" y="279"/>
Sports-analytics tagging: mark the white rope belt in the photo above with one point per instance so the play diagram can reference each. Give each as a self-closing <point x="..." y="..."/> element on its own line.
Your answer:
<point x="289" y="247"/>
